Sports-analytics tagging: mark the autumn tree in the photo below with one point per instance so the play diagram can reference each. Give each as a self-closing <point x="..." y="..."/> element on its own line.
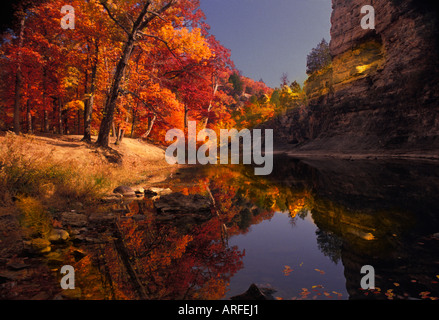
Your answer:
<point x="144" y="12"/>
<point x="318" y="58"/>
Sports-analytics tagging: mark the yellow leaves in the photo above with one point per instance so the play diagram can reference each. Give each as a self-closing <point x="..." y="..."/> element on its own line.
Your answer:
<point x="320" y="271"/>
<point x="389" y="294"/>
<point x="186" y="43"/>
<point x="317" y="292"/>
<point x="74" y="105"/>
<point x="317" y="286"/>
<point x="72" y="78"/>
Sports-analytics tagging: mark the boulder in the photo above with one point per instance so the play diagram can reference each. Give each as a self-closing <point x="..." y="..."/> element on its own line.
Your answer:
<point x="101" y="218"/>
<point x="74" y="219"/>
<point x="58" y="235"/>
<point x="16" y="266"/>
<point x="157" y="192"/>
<point x="139" y="190"/>
<point x="179" y="204"/>
<point x="255" y="293"/>
<point x="126" y="191"/>
<point x="112" y="198"/>
<point x="39" y="245"/>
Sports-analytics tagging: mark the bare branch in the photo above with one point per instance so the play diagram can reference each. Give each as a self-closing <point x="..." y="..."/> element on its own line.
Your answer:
<point x="125" y="92"/>
<point x="112" y="17"/>
<point x="165" y="43"/>
<point x="157" y="14"/>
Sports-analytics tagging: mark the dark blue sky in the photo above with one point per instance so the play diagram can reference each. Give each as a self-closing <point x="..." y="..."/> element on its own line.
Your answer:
<point x="269" y="37"/>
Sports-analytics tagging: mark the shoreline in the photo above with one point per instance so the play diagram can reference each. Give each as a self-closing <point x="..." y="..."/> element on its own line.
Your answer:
<point x="375" y="156"/>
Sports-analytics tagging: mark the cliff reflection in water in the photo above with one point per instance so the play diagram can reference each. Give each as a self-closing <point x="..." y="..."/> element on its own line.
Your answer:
<point x="383" y="214"/>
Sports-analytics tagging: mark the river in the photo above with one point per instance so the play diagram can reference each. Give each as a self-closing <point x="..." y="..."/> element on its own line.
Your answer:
<point x="304" y="232"/>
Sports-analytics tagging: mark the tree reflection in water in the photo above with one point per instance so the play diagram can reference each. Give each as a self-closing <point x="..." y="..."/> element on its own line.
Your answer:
<point x="382" y="214"/>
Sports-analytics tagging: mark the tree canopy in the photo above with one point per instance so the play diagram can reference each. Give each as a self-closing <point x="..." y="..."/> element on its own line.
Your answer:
<point x="318" y="58"/>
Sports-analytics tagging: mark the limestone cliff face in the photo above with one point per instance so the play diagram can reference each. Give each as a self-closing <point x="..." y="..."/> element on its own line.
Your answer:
<point x="381" y="92"/>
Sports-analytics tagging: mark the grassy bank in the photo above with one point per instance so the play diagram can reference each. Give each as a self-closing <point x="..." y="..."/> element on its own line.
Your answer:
<point x="60" y="171"/>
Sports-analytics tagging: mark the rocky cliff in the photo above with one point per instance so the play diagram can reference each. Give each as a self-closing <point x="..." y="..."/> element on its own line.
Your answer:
<point x="381" y="93"/>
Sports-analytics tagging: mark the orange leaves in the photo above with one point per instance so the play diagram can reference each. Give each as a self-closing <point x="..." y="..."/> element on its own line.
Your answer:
<point x="317" y="286"/>
<point x="287" y="271"/>
<point x="320" y="271"/>
<point x="188" y="43"/>
<point x="317" y="292"/>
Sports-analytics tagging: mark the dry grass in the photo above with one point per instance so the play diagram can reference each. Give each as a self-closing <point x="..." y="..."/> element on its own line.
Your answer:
<point x="35" y="219"/>
<point x="68" y="170"/>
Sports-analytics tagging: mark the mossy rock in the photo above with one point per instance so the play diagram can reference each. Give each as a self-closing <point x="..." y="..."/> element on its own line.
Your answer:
<point x="39" y="245"/>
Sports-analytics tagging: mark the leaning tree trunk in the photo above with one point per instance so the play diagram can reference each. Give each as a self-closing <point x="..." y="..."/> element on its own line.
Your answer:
<point x="140" y="23"/>
<point x="110" y="105"/>
<point x="150" y="125"/>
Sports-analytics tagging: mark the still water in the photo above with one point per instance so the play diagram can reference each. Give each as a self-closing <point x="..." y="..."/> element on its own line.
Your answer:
<point x="304" y="232"/>
<point x="283" y="254"/>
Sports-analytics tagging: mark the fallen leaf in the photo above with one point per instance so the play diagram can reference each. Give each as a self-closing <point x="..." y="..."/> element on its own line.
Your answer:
<point x="396" y="284"/>
<point x="287" y="270"/>
<point x="390" y="294"/>
<point x="321" y="271"/>
<point x="317" y="286"/>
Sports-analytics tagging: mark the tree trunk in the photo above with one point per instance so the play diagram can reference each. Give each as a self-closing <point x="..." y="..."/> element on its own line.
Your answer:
<point x="133" y="122"/>
<point x="60" y="116"/>
<point x="29" y="118"/>
<point x="46" y="113"/>
<point x="140" y="23"/>
<point x="117" y="136"/>
<point x="150" y="125"/>
<point x="113" y="129"/>
<point x="18" y="80"/>
<point x="88" y="109"/>
<point x="215" y="85"/>
<point x="110" y="106"/>
<point x="186" y="113"/>
<point x="78" y="127"/>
